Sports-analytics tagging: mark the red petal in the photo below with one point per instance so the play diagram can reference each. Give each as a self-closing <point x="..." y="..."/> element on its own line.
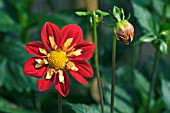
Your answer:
<point x="71" y="31"/>
<point x="78" y="77"/>
<point x="85" y="70"/>
<point x="29" y="68"/>
<point x="33" y="48"/>
<point x="63" y="88"/>
<point x="50" y="29"/>
<point x="87" y="50"/>
<point x="44" y="84"/>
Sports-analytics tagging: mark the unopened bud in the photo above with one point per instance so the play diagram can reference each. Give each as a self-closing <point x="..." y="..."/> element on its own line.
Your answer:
<point x="124" y="31"/>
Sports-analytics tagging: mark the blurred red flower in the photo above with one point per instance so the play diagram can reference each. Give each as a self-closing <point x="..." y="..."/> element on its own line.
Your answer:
<point x="62" y="49"/>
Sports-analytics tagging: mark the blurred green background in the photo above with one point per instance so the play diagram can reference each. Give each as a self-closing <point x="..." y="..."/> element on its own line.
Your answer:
<point x="21" y="21"/>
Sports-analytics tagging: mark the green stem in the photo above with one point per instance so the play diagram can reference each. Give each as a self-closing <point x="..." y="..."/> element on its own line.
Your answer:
<point x="34" y="99"/>
<point x="153" y="78"/>
<point x="164" y="11"/>
<point x="97" y="63"/>
<point x="113" y="74"/>
<point x="59" y="103"/>
<point x="153" y="72"/>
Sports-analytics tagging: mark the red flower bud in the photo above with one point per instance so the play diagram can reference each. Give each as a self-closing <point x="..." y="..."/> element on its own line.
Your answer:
<point x="124" y="31"/>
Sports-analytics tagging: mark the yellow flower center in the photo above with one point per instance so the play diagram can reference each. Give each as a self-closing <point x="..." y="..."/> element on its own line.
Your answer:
<point x="57" y="59"/>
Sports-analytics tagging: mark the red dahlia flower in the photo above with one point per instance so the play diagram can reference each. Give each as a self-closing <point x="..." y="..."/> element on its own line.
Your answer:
<point x="62" y="49"/>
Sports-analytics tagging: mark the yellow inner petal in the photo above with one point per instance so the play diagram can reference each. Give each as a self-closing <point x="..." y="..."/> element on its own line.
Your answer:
<point x="50" y="74"/>
<point x="61" y="77"/>
<point x="75" y="53"/>
<point x="52" y="42"/>
<point x="72" y="66"/>
<point x="43" y="51"/>
<point x="40" y="62"/>
<point x="68" y="42"/>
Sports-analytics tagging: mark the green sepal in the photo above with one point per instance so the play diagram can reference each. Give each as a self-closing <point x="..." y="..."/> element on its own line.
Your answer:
<point x="117" y="13"/>
<point x="122" y="13"/>
<point x="102" y="13"/>
<point x="108" y="25"/>
<point x="82" y="13"/>
<point x="98" y="15"/>
<point x="128" y="17"/>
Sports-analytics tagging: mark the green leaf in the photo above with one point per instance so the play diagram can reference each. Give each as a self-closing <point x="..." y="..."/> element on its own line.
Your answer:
<point x="82" y="13"/>
<point x="163" y="47"/>
<point x="82" y="108"/>
<point x="158" y="6"/>
<point x="22" y="15"/>
<point x="148" y="38"/>
<point x="165" y="32"/>
<point x="141" y="109"/>
<point x="124" y="73"/>
<point x="122" y="99"/>
<point x="7" y="23"/>
<point x="117" y="13"/>
<point x="142" y="85"/>
<point x="1" y="4"/>
<point x="8" y="107"/>
<point x="168" y="10"/>
<point x="167" y="111"/>
<point x="12" y="58"/>
<point x="146" y="21"/>
<point x="166" y="91"/>
<point x="158" y="106"/>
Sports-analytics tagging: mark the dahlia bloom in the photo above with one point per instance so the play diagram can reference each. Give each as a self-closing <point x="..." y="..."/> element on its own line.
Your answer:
<point x="62" y="49"/>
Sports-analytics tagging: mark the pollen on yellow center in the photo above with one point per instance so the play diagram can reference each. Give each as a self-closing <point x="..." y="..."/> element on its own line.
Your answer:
<point x="57" y="59"/>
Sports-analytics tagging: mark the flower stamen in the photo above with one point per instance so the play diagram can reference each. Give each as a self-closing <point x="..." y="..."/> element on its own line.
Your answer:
<point x="57" y="59"/>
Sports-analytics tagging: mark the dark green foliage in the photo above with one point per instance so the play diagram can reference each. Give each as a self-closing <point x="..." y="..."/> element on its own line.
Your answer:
<point x="12" y="57"/>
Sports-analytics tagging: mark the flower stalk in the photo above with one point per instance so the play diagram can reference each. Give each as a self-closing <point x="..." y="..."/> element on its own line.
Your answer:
<point x="164" y="11"/>
<point x="59" y="103"/>
<point x="113" y="74"/>
<point x="97" y="63"/>
<point x="153" y="78"/>
<point x="123" y="31"/>
<point x="155" y="65"/>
